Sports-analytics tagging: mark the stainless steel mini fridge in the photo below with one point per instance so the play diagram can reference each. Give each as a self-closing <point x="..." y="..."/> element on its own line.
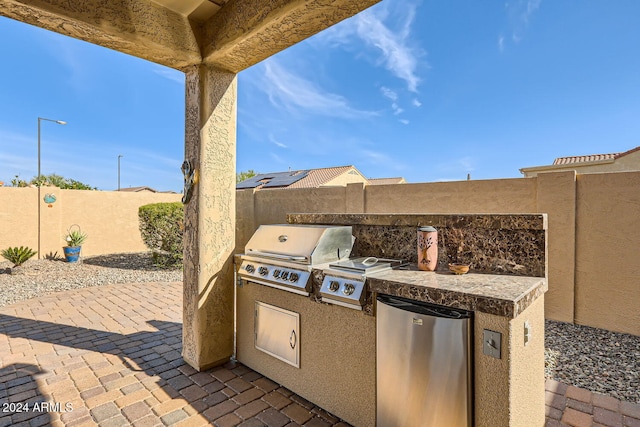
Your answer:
<point x="424" y="364"/>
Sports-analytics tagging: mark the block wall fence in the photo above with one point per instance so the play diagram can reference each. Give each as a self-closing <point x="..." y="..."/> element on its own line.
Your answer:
<point x="110" y="219"/>
<point x="593" y="234"/>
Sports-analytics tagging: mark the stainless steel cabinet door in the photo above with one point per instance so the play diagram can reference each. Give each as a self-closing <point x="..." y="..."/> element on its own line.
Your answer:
<point x="277" y="333"/>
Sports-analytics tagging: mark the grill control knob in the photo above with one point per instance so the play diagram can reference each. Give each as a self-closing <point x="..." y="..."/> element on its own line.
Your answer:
<point x="293" y="277"/>
<point x="348" y="289"/>
<point x="284" y="275"/>
<point x="250" y="268"/>
<point x="276" y="273"/>
<point x="263" y="271"/>
<point x="334" y="285"/>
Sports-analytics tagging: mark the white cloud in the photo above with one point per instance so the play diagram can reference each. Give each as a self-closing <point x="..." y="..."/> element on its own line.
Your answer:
<point x="393" y="96"/>
<point x="392" y="44"/>
<point x="416" y="103"/>
<point x="519" y="15"/>
<point x="381" y="159"/>
<point x="291" y="91"/>
<point x="277" y="158"/>
<point x="276" y="142"/>
<point x="169" y="74"/>
<point x="388" y="93"/>
<point x="404" y="121"/>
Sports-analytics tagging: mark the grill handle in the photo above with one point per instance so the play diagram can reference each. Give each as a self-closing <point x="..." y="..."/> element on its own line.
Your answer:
<point x="279" y="256"/>
<point x="293" y="339"/>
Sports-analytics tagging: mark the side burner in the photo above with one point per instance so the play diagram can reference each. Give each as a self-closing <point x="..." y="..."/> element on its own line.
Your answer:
<point x="345" y="281"/>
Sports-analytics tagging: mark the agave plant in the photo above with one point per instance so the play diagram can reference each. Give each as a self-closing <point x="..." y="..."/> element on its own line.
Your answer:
<point x="18" y="255"/>
<point x="75" y="237"/>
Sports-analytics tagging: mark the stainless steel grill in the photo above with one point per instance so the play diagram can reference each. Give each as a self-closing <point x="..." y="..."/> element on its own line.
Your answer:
<point x="282" y="255"/>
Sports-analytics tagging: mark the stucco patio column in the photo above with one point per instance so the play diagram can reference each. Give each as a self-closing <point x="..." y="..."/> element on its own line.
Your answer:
<point x="209" y="235"/>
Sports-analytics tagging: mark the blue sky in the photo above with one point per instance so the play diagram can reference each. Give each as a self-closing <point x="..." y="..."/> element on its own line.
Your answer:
<point x="427" y="90"/>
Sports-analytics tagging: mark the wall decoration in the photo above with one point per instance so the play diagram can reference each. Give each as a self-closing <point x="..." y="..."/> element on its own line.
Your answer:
<point x="49" y="199"/>
<point x="190" y="180"/>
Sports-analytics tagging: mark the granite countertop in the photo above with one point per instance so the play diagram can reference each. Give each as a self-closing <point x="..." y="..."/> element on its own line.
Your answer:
<point x="501" y="295"/>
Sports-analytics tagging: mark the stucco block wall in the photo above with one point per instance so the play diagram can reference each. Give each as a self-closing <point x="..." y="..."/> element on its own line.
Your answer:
<point x="110" y="219"/>
<point x="510" y="389"/>
<point x="272" y="206"/>
<point x="557" y="194"/>
<point x="18" y="217"/>
<point x="607" y="254"/>
<point x="593" y="229"/>
<point x="494" y="196"/>
<point x="344" y="360"/>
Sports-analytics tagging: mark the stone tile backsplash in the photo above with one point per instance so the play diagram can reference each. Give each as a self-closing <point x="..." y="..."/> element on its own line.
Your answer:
<point x="498" y="244"/>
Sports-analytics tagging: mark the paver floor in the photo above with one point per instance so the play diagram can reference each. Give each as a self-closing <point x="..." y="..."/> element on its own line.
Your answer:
<point x="110" y="356"/>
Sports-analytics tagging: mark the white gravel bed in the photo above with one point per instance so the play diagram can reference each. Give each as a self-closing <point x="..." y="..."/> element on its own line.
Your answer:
<point x="601" y="361"/>
<point x="41" y="277"/>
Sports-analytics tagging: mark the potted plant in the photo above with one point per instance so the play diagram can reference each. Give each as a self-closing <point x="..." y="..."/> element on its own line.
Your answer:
<point x="74" y="239"/>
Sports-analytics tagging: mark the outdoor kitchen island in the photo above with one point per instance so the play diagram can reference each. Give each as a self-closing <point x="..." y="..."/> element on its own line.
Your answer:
<point x="337" y="362"/>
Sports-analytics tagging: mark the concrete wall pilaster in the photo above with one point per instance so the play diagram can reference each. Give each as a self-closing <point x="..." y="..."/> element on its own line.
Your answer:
<point x="556" y="196"/>
<point x="210" y="216"/>
<point x="355" y="197"/>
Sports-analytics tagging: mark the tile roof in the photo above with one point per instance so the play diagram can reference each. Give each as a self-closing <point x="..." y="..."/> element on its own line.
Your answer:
<point x="317" y="177"/>
<point x="138" y="189"/>
<point x="312" y="178"/>
<point x="592" y="157"/>
<point x="584" y="159"/>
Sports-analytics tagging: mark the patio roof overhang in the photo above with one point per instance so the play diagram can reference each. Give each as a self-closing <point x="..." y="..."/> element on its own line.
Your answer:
<point x="228" y="34"/>
<point x="210" y="43"/>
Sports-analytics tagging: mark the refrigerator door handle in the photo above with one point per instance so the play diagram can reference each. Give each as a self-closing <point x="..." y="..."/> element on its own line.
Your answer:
<point x="424" y="308"/>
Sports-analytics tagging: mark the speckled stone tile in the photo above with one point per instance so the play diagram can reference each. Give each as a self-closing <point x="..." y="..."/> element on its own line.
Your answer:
<point x="496" y="244"/>
<point x="501" y="295"/>
<point x="502" y="221"/>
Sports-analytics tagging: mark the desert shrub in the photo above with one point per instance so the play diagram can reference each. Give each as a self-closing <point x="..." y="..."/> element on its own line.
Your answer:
<point x="161" y="227"/>
<point x="18" y="255"/>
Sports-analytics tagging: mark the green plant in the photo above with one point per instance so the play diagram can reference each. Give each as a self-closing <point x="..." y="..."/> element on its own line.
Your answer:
<point x="241" y="176"/>
<point x="161" y="227"/>
<point x="75" y="237"/>
<point x="18" y="255"/>
<point x="17" y="182"/>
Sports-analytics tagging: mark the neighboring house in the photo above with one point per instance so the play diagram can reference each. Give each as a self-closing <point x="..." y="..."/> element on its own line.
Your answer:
<point x="138" y="189"/>
<point x="311" y="178"/>
<point x="594" y="163"/>
<point x="385" y="181"/>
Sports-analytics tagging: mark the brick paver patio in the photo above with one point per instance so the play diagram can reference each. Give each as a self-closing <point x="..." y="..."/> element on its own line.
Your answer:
<point x="110" y="356"/>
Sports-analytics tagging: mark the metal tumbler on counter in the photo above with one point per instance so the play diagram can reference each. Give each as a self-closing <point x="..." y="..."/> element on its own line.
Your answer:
<point x="427" y="248"/>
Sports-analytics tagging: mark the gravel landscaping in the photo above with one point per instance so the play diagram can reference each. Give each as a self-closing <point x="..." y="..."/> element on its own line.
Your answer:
<point x="601" y="361"/>
<point x="41" y="277"/>
<point x="596" y="359"/>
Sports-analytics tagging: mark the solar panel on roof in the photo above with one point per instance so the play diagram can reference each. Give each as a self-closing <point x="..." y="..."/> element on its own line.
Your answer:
<point x="285" y="179"/>
<point x="273" y="180"/>
<point x="248" y="183"/>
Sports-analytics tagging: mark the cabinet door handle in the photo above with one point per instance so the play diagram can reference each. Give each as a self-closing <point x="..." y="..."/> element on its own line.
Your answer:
<point x="293" y="339"/>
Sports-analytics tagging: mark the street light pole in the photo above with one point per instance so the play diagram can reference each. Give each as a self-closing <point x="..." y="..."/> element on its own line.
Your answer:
<point x="60" y="122"/>
<point x="119" y="156"/>
<point x="39" y="182"/>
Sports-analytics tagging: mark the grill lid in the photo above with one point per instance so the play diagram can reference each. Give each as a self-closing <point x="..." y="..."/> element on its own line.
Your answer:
<point x="306" y="244"/>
